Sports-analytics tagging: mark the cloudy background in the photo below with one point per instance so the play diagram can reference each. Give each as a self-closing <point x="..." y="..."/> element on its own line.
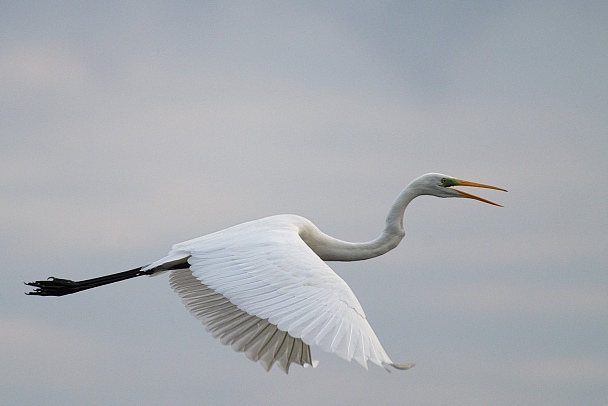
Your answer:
<point x="128" y="126"/>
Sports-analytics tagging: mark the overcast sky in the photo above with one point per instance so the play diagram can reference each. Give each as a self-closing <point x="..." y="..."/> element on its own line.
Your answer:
<point x="128" y="126"/>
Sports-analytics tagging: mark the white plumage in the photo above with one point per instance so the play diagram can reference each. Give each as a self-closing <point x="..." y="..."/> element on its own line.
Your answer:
<point x="258" y="287"/>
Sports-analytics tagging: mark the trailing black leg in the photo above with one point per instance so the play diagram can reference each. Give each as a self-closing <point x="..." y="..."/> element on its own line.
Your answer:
<point x="59" y="287"/>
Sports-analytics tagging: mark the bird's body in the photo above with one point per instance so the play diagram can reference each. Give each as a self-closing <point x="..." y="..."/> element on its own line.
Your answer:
<point x="263" y="287"/>
<point x="260" y="288"/>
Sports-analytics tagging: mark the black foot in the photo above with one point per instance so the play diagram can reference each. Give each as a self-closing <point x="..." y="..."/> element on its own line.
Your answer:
<point x="53" y="287"/>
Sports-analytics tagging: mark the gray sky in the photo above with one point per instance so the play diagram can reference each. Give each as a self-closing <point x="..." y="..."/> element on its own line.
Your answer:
<point x="130" y="126"/>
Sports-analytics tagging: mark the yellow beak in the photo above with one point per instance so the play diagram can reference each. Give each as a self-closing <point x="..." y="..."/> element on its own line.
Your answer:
<point x="480" y="185"/>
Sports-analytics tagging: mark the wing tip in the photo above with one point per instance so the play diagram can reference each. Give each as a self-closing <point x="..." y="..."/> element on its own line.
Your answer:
<point x="400" y="367"/>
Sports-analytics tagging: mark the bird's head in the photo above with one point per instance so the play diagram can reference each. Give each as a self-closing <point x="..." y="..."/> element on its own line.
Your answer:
<point x="437" y="184"/>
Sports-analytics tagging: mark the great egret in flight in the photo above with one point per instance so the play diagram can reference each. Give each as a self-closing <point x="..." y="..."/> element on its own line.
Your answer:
<point x="263" y="287"/>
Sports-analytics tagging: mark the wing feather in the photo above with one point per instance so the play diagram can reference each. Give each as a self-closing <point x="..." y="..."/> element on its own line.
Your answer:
<point x="260" y="289"/>
<point x="232" y="326"/>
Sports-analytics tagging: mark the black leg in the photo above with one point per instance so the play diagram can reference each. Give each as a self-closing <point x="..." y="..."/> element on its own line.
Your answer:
<point x="59" y="287"/>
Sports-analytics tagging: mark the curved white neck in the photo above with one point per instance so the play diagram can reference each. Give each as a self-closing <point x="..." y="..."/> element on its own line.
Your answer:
<point x="331" y="249"/>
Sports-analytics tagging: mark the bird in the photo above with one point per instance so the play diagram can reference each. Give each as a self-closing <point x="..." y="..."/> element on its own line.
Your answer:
<point x="264" y="287"/>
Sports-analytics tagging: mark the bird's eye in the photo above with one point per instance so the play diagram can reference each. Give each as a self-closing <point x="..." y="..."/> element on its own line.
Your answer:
<point x="444" y="181"/>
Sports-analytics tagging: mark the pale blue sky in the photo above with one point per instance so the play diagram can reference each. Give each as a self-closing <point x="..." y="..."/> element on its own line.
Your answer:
<point x="130" y="126"/>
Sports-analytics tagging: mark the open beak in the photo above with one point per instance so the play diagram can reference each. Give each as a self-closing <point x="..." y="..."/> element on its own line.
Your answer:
<point x="481" y="185"/>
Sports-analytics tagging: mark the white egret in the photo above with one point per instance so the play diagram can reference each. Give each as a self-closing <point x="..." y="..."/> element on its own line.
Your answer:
<point x="263" y="287"/>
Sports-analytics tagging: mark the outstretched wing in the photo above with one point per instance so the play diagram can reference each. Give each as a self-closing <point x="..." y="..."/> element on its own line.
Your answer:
<point x="259" y="288"/>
